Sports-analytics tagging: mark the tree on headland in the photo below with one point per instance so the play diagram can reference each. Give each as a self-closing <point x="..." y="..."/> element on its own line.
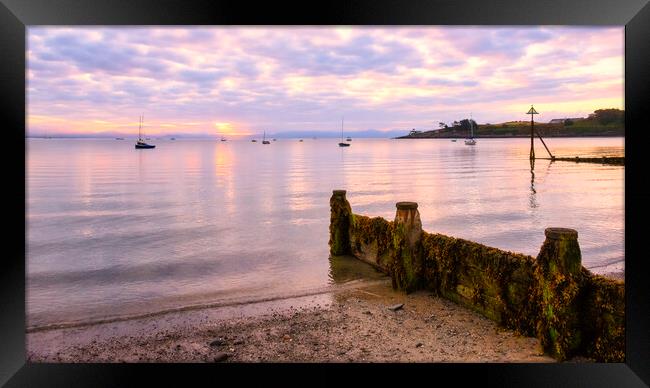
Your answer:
<point x="442" y="125"/>
<point x="465" y="124"/>
<point x="607" y="116"/>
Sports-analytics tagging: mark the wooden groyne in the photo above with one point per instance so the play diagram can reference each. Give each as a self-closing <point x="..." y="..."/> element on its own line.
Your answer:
<point x="552" y="297"/>
<point x="613" y="160"/>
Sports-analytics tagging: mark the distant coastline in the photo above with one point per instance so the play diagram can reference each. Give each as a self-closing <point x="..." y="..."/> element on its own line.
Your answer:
<point x="495" y="136"/>
<point x="601" y="123"/>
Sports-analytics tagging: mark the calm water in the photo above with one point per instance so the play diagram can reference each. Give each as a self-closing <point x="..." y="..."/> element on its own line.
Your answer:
<point x="112" y="230"/>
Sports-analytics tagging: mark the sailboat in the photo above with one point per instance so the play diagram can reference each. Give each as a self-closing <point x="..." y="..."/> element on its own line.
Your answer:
<point x="140" y="143"/>
<point x="471" y="140"/>
<point x="342" y="144"/>
<point x="223" y="138"/>
<point x="264" y="141"/>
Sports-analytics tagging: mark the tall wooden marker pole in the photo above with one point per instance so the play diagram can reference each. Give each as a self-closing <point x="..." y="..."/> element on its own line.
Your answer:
<point x="532" y="112"/>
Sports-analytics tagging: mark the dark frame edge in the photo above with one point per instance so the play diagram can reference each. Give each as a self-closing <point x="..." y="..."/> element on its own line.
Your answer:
<point x="348" y="12"/>
<point x="12" y="275"/>
<point x="632" y="373"/>
<point x="637" y="305"/>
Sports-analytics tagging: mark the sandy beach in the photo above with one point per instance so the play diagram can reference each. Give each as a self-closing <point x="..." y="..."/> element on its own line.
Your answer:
<point x="352" y="324"/>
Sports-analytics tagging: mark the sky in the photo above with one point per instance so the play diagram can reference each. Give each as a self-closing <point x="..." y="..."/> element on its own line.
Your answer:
<point x="241" y="81"/>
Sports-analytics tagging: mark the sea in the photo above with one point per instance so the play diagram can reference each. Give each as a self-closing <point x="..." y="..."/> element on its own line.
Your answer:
<point x="112" y="231"/>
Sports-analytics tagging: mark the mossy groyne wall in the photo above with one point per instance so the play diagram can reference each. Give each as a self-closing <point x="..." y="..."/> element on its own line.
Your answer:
<point x="552" y="297"/>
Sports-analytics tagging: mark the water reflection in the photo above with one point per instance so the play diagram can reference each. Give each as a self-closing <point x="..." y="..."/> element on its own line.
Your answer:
<point x="346" y="268"/>
<point x="298" y="182"/>
<point x="533" y="200"/>
<point x="223" y="161"/>
<point x="199" y="217"/>
<point x="532" y="203"/>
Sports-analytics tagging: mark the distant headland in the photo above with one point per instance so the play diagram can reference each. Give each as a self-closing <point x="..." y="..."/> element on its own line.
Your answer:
<point x="603" y="122"/>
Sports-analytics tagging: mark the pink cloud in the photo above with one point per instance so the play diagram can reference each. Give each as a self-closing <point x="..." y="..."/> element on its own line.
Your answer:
<point x="280" y="78"/>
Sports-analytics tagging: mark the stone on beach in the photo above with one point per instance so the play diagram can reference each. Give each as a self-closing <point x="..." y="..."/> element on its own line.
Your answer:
<point x="217" y="342"/>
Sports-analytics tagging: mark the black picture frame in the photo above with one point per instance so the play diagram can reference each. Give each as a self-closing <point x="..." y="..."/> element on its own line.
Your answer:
<point x="17" y="15"/>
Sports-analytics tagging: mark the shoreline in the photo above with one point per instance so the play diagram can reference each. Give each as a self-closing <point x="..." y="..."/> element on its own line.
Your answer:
<point x="350" y="324"/>
<point x="370" y="278"/>
<point x="233" y="302"/>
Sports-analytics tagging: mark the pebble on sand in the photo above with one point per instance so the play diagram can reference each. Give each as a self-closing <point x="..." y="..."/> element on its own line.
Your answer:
<point x="217" y="342"/>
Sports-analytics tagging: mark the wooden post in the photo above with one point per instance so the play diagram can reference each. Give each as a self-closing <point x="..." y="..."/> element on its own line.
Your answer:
<point x="559" y="280"/>
<point x="406" y="266"/>
<point x="532" y="146"/>
<point x="532" y="112"/>
<point x="340" y="215"/>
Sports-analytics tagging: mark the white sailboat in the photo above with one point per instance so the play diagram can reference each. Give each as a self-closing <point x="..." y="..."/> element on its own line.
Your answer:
<point x="342" y="144"/>
<point x="470" y="140"/>
<point x="140" y="144"/>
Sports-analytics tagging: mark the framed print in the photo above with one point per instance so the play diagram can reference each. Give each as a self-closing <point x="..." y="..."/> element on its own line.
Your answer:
<point x="346" y="186"/>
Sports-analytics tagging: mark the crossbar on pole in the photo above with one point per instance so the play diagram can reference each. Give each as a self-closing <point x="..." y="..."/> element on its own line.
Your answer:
<point x="547" y="150"/>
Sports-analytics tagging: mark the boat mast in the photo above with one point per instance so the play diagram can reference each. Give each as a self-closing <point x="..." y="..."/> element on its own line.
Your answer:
<point x="471" y="126"/>
<point x="140" y="128"/>
<point x="341" y="128"/>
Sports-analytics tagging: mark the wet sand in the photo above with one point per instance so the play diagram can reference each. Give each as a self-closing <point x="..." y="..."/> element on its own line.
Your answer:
<point x="351" y="324"/>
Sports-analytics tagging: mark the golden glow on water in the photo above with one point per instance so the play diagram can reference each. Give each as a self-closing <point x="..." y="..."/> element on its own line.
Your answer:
<point x="224" y="161"/>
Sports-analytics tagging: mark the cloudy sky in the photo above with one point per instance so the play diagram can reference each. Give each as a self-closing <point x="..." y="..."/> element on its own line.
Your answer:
<point x="243" y="80"/>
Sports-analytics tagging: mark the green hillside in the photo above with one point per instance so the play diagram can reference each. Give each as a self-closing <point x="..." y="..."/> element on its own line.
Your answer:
<point x="603" y="122"/>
